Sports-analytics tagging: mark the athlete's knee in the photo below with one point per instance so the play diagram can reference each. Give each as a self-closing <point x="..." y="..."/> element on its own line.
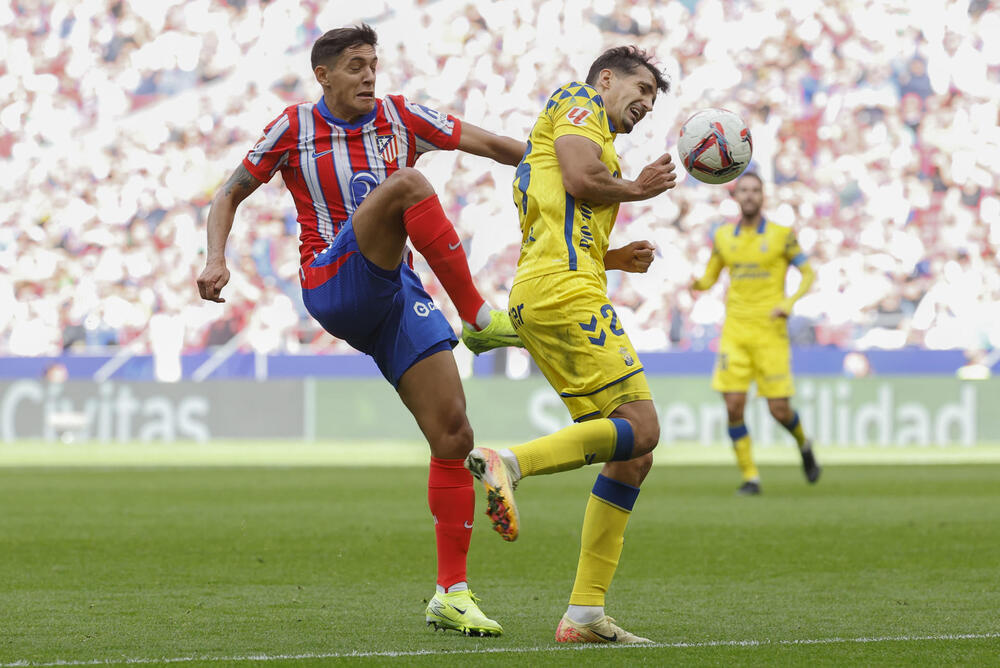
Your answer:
<point x="409" y="186"/>
<point x="642" y="465"/>
<point x="632" y="472"/>
<point x="782" y="412"/>
<point x="734" y="409"/>
<point x="646" y="434"/>
<point x="645" y="426"/>
<point x="462" y="439"/>
<point x="455" y="436"/>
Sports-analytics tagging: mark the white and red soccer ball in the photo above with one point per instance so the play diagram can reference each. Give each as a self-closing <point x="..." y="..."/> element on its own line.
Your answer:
<point x="715" y="146"/>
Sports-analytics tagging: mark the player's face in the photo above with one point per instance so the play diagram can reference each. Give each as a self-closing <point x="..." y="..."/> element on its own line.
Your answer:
<point x="749" y="194"/>
<point x="349" y="82"/>
<point x="629" y="97"/>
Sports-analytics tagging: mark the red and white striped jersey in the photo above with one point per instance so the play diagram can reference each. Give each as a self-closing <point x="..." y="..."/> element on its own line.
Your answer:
<point x="330" y="165"/>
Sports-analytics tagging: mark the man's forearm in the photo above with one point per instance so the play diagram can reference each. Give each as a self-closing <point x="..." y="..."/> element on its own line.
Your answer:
<point x="711" y="275"/>
<point x="477" y="141"/>
<point x="223" y="211"/>
<point x="505" y="150"/>
<point x="598" y="186"/>
<point x="220" y="223"/>
<point x="613" y="259"/>
<point x="510" y="151"/>
<point x="808" y="276"/>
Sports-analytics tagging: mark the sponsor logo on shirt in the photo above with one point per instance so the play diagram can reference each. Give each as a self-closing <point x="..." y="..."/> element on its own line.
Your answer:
<point x="578" y="115"/>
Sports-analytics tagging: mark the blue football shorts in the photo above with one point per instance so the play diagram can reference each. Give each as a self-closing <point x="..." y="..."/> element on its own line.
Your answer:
<point x="383" y="313"/>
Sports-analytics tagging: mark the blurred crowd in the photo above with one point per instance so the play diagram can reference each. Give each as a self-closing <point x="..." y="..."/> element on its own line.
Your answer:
<point x="876" y="128"/>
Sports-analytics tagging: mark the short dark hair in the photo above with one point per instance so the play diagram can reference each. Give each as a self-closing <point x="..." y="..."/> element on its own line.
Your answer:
<point x="626" y="59"/>
<point x="333" y="42"/>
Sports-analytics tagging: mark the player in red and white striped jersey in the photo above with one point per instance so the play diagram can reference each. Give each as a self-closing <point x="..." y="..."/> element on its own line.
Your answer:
<point x="347" y="160"/>
<point x="331" y="165"/>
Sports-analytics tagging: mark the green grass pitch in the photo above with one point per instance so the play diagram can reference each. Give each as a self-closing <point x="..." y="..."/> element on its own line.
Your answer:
<point x="875" y="565"/>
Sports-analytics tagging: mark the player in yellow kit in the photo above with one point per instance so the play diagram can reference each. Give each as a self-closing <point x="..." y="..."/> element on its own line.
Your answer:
<point x="754" y="343"/>
<point x="567" y="190"/>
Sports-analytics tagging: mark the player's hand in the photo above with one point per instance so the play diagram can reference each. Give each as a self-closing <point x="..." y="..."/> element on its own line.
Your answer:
<point x="656" y="177"/>
<point x="213" y="278"/>
<point x="779" y="312"/>
<point x="635" y="257"/>
<point x="639" y="255"/>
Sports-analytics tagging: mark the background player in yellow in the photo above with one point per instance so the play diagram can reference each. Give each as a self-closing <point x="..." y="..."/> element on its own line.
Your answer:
<point x="754" y="343"/>
<point x="567" y="190"/>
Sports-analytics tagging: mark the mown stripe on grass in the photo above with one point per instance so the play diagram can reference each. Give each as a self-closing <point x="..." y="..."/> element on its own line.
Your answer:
<point x="415" y="453"/>
<point x="499" y="650"/>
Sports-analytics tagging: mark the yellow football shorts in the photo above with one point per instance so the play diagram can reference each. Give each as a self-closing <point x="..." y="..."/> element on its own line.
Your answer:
<point x="754" y="350"/>
<point x="571" y="330"/>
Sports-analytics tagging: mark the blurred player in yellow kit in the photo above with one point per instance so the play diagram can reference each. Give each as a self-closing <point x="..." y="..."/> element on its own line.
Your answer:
<point x="754" y="343"/>
<point x="567" y="190"/>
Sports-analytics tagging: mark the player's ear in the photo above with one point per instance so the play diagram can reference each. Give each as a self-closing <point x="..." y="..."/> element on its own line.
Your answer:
<point x="321" y="72"/>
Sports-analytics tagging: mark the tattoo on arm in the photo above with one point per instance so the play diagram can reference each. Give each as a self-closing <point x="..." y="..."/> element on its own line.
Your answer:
<point x="241" y="183"/>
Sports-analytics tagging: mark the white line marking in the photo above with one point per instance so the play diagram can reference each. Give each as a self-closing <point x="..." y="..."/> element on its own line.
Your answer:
<point x="495" y="650"/>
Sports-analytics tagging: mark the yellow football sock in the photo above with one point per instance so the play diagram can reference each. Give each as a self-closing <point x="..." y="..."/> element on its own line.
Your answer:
<point x="604" y="523"/>
<point x="575" y="446"/>
<point x="795" y="429"/>
<point x="742" y="447"/>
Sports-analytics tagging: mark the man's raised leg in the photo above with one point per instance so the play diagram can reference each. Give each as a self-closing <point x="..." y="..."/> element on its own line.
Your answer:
<point x="405" y="205"/>
<point x="588" y="442"/>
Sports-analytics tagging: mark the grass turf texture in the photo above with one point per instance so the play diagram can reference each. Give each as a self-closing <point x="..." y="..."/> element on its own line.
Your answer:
<point x="170" y="563"/>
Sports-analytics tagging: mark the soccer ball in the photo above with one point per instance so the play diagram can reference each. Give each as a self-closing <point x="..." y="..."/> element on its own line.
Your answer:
<point x="715" y="146"/>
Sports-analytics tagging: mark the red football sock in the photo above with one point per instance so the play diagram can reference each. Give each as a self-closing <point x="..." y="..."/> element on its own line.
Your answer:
<point x="453" y="503"/>
<point x="435" y="238"/>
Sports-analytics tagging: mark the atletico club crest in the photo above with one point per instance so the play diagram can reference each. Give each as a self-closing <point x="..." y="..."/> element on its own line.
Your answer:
<point x="387" y="147"/>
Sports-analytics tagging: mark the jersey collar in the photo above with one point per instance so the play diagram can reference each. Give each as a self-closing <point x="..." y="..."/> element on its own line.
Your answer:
<point x="760" y="227"/>
<point x="324" y="111"/>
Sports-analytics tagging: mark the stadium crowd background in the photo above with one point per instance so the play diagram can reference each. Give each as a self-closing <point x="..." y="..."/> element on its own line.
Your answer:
<point x="876" y="127"/>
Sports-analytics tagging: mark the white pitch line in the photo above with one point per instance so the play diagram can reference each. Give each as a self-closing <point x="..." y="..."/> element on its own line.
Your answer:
<point x="499" y="650"/>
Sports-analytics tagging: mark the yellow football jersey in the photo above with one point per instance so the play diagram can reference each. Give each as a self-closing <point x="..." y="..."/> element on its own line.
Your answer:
<point x="758" y="260"/>
<point x="560" y="233"/>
